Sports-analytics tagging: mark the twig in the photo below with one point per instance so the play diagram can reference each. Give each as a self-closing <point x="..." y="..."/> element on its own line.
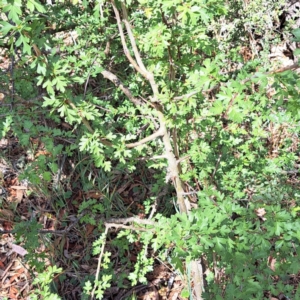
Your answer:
<point x="118" y="83"/>
<point x="99" y="262"/>
<point x="186" y="96"/>
<point x="280" y="70"/>
<point x="183" y="158"/>
<point x="135" y="289"/>
<point x="126" y="51"/>
<point x="24" y="101"/>
<point x="157" y="200"/>
<point x="130" y="220"/>
<point x="153" y="136"/>
<point x="153" y="157"/>
<point x="132" y="40"/>
<point x="138" y="66"/>
<point x="45" y="231"/>
<point x="88" y="78"/>
<point x="114" y="225"/>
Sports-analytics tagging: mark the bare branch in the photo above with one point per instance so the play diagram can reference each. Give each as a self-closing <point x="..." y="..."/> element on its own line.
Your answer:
<point x="99" y="262"/>
<point x="159" y="132"/>
<point x="153" y="157"/>
<point x="186" y="96"/>
<point x="130" y="220"/>
<point x="118" y="83"/>
<point x="114" y="225"/>
<point x="183" y="158"/>
<point x="132" y="39"/>
<point x="140" y="67"/>
<point x="119" y="223"/>
<point x="280" y="70"/>
<point x="126" y="50"/>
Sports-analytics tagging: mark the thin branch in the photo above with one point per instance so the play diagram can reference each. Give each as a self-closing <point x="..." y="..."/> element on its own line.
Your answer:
<point x="24" y="101"/>
<point x="153" y="136"/>
<point x="132" y="39"/>
<point x="114" y="225"/>
<point x="118" y="83"/>
<point x="280" y="70"/>
<point x="173" y="168"/>
<point x="119" y="223"/>
<point x="183" y="158"/>
<point x="88" y="78"/>
<point x="130" y="220"/>
<point x="45" y="231"/>
<point x="126" y="50"/>
<point x="153" y="157"/>
<point x="187" y="96"/>
<point x="294" y="66"/>
<point x="99" y="263"/>
<point x="87" y="123"/>
<point x="140" y="68"/>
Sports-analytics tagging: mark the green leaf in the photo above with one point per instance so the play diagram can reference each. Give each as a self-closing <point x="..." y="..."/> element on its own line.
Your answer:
<point x="41" y="68"/>
<point x="26" y="48"/>
<point x="219" y="243"/>
<point x="185" y="294"/>
<point x="32" y="5"/>
<point x="277" y="228"/>
<point x="6" y="27"/>
<point x="14" y="11"/>
<point x="206" y="242"/>
<point x="296" y="33"/>
<point x="217" y="108"/>
<point x="235" y="115"/>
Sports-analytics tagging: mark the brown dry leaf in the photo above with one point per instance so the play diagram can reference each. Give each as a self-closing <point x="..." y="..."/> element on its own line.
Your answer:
<point x="89" y="229"/>
<point x="6" y="214"/>
<point x="17" y="275"/>
<point x="86" y="267"/>
<point x="13" y="292"/>
<point x="66" y="254"/>
<point x="15" y="194"/>
<point x="62" y="213"/>
<point x="93" y="194"/>
<point x="271" y="263"/>
<point x="2" y="266"/>
<point x="19" y="196"/>
<point x="260" y="212"/>
<point x="150" y="296"/>
<point x="43" y="152"/>
<point x="14" y="181"/>
<point x="7" y="225"/>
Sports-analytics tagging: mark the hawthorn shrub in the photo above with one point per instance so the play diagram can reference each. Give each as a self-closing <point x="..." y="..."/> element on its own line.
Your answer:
<point x="189" y="88"/>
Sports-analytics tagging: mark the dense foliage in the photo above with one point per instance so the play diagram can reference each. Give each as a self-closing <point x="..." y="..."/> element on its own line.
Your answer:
<point x="187" y="89"/>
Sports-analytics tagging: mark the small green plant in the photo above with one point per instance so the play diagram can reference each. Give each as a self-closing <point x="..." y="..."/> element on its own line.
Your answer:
<point x="91" y="207"/>
<point x="43" y="281"/>
<point x="102" y="280"/>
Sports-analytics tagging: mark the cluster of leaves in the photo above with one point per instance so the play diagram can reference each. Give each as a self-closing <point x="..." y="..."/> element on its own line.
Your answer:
<point x="219" y="120"/>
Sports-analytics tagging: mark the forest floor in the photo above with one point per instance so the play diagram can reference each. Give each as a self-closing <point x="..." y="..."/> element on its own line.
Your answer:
<point x="63" y="239"/>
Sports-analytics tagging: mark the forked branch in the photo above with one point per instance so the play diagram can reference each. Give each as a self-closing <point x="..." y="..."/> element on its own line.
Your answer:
<point x="139" y="65"/>
<point x="173" y="168"/>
